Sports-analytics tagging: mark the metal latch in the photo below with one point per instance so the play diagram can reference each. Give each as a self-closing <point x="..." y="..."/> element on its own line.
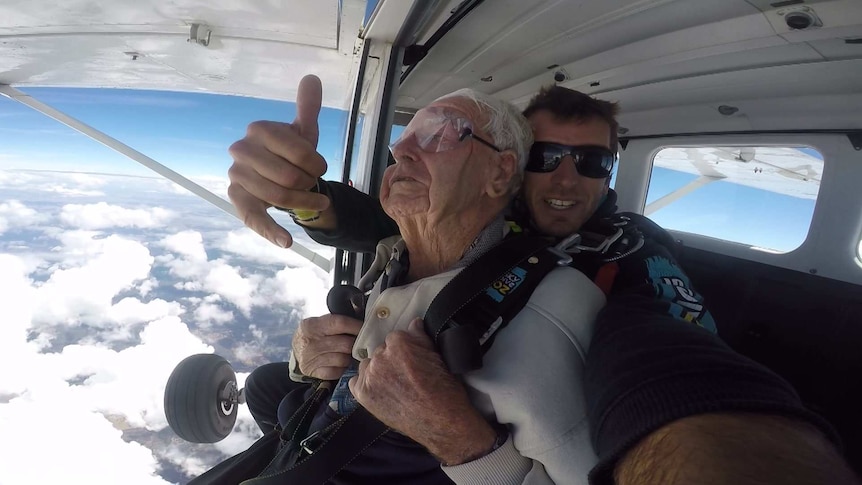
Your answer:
<point x="312" y="442"/>
<point x="200" y="34"/>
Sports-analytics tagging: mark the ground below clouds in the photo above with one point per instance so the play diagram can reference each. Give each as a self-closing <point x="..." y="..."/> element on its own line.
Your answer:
<point x="108" y="283"/>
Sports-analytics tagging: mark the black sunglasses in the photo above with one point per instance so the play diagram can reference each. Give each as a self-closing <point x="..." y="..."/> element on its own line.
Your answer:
<point x="590" y="160"/>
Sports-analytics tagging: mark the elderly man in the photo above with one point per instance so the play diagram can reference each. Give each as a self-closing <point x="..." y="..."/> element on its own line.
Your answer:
<point x="521" y="416"/>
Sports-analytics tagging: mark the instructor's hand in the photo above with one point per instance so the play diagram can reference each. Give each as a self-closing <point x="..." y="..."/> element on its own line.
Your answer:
<point x="276" y="165"/>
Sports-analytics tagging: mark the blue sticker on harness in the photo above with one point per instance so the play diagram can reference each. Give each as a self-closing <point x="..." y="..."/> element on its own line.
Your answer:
<point x="506" y="284"/>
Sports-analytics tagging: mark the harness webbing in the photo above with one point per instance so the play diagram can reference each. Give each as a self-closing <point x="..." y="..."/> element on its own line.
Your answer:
<point x="464" y="317"/>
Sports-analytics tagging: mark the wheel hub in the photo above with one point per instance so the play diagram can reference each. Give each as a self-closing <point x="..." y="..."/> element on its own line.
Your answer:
<point x="228" y="398"/>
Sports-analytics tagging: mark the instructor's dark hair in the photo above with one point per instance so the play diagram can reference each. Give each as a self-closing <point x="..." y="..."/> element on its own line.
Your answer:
<point x="570" y="105"/>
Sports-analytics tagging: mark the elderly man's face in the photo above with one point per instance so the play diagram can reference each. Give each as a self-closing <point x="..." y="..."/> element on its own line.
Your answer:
<point x="560" y="202"/>
<point x="435" y="173"/>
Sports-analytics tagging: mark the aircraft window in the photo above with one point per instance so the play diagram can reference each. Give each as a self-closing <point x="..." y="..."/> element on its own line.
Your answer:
<point x="760" y="196"/>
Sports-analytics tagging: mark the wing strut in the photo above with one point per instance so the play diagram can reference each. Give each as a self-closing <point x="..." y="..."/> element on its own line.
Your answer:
<point x="678" y="193"/>
<point x="146" y="161"/>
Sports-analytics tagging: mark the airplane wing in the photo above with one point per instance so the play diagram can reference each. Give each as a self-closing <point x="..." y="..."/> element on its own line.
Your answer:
<point x="794" y="171"/>
<point x="249" y="49"/>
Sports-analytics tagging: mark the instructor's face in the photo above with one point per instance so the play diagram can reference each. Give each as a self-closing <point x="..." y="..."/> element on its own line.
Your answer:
<point x="561" y="201"/>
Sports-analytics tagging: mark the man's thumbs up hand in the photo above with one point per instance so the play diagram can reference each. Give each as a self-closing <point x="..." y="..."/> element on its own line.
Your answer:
<point x="309" y="97"/>
<point x="276" y="165"/>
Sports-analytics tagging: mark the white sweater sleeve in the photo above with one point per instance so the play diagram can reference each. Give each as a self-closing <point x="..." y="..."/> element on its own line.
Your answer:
<point x="532" y="381"/>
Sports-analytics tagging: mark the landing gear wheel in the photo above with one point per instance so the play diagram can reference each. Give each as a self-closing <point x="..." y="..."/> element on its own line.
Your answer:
<point x="201" y="398"/>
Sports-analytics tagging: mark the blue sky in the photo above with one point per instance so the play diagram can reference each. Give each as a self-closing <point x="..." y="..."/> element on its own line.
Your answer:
<point x="188" y="132"/>
<point x="191" y="132"/>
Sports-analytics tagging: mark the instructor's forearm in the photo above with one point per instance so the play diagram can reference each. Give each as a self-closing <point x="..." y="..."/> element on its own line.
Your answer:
<point x="738" y="449"/>
<point x="354" y="221"/>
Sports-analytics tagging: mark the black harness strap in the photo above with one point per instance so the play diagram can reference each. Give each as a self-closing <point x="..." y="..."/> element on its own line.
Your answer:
<point x="343" y="442"/>
<point x="464" y="317"/>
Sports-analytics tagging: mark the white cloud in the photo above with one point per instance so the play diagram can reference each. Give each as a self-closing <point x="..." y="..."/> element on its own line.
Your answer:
<point x="68" y="184"/>
<point x="192" y="465"/>
<point x="228" y="282"/>
<point x="17" y="299"/>
<point x="61" y="442"/>
<point x="248" y="352"/>
<point x="209" y="313"/>
<point x="102" y="215"/>
<point x="15" y="214"/>
<point x="127" y="384"/>
<point x="189" y="286"/>
<point x="85" y="180"/>
<point x="69" y="191"/>
<point x="131" y="310"/>
<point x="215" y="184"/>
<point x="189" y="244"/>
<point x="250" y="246"/>
<point x="299" y="287"/>
<point x="18" y="178"/>
<point x="100" y="269"/>
<point x="214" y="276"/>
<point x="299" y="283"/>
<point x="111" y="373"/>
<point x="131" y="382"/>
<point x="147" y="286"/>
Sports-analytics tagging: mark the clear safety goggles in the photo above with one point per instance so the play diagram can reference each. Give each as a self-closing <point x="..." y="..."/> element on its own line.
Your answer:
<point x="436" y="130"/>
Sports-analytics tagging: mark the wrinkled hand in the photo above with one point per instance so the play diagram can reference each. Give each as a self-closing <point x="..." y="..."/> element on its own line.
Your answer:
<point x="406" y="385"/>
<point x="276" y="164"/>
<point x="322" y="345"/>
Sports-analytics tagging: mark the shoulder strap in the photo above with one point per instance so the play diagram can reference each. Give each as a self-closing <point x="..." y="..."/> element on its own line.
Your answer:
<point x="480" y="300"/>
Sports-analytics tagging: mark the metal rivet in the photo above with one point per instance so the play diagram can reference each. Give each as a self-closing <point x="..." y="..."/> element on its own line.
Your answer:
<point x="383" y="313"/>
<point x="533" y="260"/>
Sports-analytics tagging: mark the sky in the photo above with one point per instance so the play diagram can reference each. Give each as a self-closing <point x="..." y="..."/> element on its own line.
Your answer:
<point x="110" y="275"/>
<point x="189" y="132"/>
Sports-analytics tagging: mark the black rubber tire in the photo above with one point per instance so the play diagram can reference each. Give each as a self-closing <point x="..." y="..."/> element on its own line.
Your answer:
<point x="192" y="404"/>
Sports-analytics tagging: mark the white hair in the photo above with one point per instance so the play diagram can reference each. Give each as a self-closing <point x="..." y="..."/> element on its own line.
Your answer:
<point x="507" y="126"/>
